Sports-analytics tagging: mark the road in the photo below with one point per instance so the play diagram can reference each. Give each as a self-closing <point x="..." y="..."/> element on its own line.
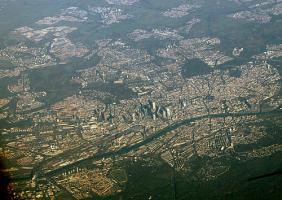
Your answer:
<point x="152" y="138"/>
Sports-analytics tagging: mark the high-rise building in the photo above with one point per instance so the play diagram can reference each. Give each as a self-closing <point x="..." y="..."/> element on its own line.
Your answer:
<point x="168" y="112"/>
<point x="164" y="113"/>
<point x="154" y="106"/>
<point x="154" y="116"/>
<point x="133" y="117"/>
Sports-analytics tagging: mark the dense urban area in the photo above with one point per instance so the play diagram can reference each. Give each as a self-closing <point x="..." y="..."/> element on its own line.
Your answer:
<point x="94" y="92"/>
